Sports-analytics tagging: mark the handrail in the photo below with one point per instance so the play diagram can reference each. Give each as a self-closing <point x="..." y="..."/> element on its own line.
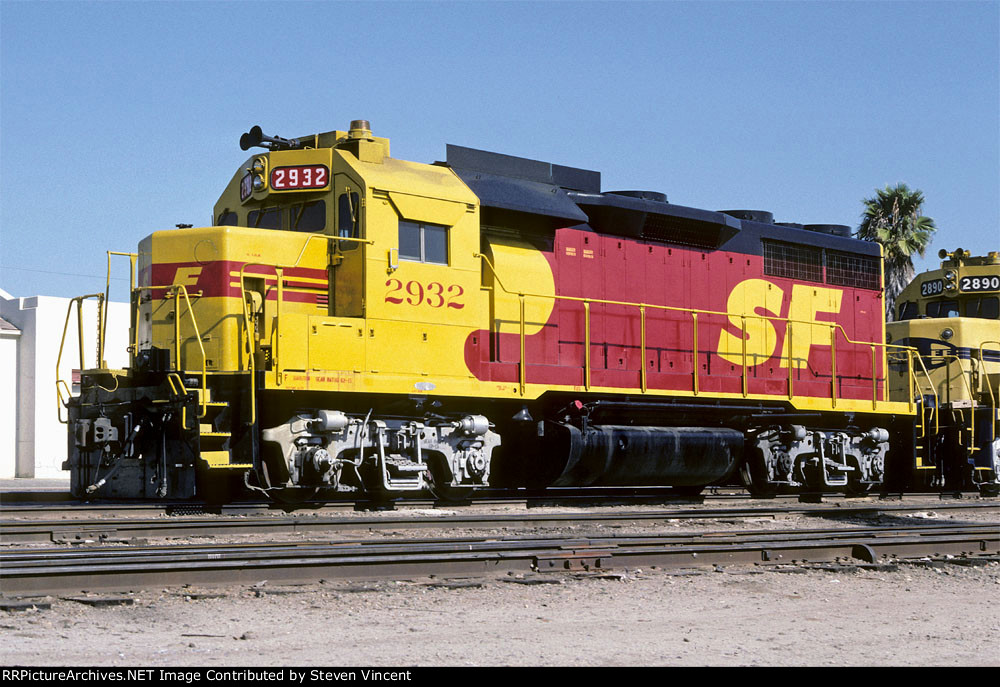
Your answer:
<point x="993" y="398"/>
<point x="133" y="310"/>
<point x="972" y="399"/>
<point x="250" y="355"/>
<point x="326" y="237"/>
<point x="279" y="268"/>
<point x="962" y="373"/>
<point x="933" y="388"/>
<point x="179" y="390"/>
<point x="587" y="302"/>
<point x="177" y="290"/>
<point x="60" y="404"/>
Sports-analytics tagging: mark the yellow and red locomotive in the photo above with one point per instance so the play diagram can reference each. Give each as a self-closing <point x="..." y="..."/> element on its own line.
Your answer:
<point x="951" y="316"/>
<point x="356" y="323"/>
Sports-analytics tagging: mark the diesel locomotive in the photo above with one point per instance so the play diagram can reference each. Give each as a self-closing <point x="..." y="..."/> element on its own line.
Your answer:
<point x="952" y="317"/>
<point x="355" y="323"/>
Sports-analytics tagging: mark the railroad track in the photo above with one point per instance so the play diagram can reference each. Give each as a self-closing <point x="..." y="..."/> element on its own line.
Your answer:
<point x="488" y="493"/>
<point x="27" y="572"/>
<point x="23" y="508"/>
<point x="124" y="530"/>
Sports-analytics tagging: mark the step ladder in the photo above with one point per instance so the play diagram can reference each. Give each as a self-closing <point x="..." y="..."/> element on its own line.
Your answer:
<point x="214" y="439"/>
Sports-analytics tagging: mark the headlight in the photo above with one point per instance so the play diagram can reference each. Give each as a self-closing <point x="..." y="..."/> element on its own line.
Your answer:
<point x="258" y="166"/>
<point x="949" y="280"/>
<point x="258" y="182"/>
<point x="947" y="333"/>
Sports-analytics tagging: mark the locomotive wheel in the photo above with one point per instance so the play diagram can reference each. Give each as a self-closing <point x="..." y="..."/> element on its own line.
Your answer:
<point x="753" y="474"/>
<point x="451" y="494"/>
<point x="294" y="495"/>
<point x="856" y="488"/>
<point x="448" y="493"/>
<point x="440" y="485"/>
<point x="989" y="489"/>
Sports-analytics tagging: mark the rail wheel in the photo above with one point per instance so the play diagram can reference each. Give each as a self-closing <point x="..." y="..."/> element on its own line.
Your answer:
<point x="439" y="481"/>
<point x="753" y="474"/>
<point x="440" y="486"/>
<point x="989" y="489"/>
<point x="294" y="495"/>
<point x="857" y="488"/>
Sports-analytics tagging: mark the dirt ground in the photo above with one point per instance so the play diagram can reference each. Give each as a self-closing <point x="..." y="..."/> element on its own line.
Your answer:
<point x="916" y="615"/>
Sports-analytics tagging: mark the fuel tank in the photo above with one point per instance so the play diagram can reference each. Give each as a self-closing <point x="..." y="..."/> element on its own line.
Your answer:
<point x="625" y="455"/>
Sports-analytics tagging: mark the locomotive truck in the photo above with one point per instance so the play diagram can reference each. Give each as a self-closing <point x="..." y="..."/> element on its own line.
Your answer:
<point x="355" y="323"/>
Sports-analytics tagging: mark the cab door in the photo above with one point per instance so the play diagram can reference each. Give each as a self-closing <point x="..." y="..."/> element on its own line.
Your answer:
<point x="347" y="258"/>
<point x="337" y="343"/>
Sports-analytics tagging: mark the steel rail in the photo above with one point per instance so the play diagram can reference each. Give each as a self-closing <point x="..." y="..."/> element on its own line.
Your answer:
<point x="24" y="531"/>
<point x="41" y="557"/>
<point x="91" y="529"/>
<point x="26" y="572"/>
<point x="63" y="502"/>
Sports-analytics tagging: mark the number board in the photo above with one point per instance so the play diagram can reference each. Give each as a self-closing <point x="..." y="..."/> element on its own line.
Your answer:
<point x="246" y="187"/>
<point x="299" y="178"/>
<point x="932" y="287"/>
<point x="984" y="283"/>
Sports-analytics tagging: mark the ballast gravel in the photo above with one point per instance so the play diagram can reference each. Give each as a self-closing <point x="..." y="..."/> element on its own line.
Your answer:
<point x="929" y="613"/>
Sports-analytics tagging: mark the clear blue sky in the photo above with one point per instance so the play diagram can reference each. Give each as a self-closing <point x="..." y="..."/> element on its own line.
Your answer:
<point x="118" y="119"/>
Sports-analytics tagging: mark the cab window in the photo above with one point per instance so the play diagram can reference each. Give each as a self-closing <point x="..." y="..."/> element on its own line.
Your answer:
<point x="423" y="242"/>
<point x="226" y="219"/>
<point x="269" y="218"/>
<point x="908" y="311"/>
<point x="348" y="220"/>
<point x="987" y="307"/>
<point x="309" y="217"/>
<point x="942" y="309"/>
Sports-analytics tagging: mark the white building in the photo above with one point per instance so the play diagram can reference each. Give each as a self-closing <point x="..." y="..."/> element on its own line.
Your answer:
<point x="32" y="437"/>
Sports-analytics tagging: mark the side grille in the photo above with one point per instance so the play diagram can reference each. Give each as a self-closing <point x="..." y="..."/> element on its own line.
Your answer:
<point x="793" y="261"/>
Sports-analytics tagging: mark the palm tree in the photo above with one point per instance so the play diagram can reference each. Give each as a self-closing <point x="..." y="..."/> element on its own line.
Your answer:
<point x="892" y="218"/>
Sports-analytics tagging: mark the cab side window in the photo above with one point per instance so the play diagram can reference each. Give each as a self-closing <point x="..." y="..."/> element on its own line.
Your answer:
<point x="423" y="242"/>
<point x="348" y="220"/>
<point x="908" y="311"/>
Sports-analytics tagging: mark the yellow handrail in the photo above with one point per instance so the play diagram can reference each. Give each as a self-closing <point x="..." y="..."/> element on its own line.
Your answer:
<point x="133" y="311"/>
<point x="587" y="302"/>
<point x="179" y="390"/>
<point x="250" y="354"/>
<point x="694" y="336"/>
<point x="993" y="398"/>
<point x="642" y="348"/>
<point x="972" y="397"/>
<point x="60" y="404"/>
<point x="176" y="291"/>
<point x="937" y="399"/>
<point x="833" y="366"/>
<point x="251" y="368"/>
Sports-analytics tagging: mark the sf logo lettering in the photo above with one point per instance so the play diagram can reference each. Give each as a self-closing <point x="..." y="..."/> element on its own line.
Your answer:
<point x="187" y="276"/>
<point x="759" y="297"/>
